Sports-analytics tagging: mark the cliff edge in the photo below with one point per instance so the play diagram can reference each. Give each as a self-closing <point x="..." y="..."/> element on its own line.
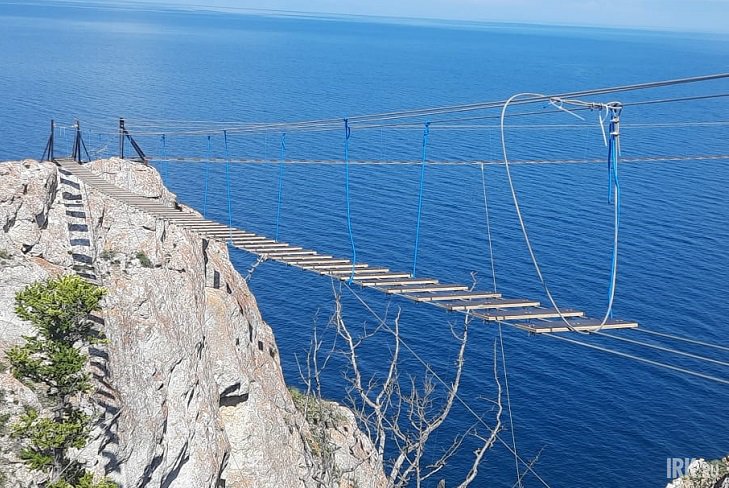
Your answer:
<point x="188" y="389"/>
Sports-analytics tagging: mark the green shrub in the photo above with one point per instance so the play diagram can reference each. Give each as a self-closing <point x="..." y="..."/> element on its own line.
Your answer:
<point x="59" y="309"/>
<point x="144" y="260"/>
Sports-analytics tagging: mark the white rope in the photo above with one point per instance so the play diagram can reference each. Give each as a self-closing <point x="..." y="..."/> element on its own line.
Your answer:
<point x="641" y="359"/>
<point x="508" y="403"/>
<point x="377" y="162"/>
<point x="683" y="339"/>
<point x="488" y="225"/>
<point x="663" y="348"/>
<point x="525" y="233"/>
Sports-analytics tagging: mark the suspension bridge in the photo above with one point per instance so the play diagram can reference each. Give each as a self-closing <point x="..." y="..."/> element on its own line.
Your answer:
<point x="486" y="305"/>
<point x="489" y="305"/>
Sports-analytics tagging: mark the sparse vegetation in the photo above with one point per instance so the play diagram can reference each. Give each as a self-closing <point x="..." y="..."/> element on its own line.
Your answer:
<point x="3" y="367"/>
<point x="4" y="418"/>
<point x="52" y="360"/>
<point x="321" y="415"/>
<point x="144" y="260"/>
<point x="107" y="254"/>
<point x="315" y="410"/>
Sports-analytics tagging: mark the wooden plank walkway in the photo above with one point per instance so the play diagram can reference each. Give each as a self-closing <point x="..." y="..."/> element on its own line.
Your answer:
<point x="486" y="305"/>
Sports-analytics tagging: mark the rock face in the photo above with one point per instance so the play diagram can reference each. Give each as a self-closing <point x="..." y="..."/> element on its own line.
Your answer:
<point x="189" y="389"/>
<point x="700" y="473"/>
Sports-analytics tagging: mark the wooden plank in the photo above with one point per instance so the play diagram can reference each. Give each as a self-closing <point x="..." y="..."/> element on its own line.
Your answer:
<point x="526" y="313"/>
<point x="406" y="290"/>
<point x="372" y="271"/>
<point x="290" y="254"/>
<point x="219" y="235"/>
<point x="237" y="235"/>
<point x="242" y="241"/>
<point x="303" y="259"/>
<point x="468" y="295"/>
<point x="461" y="305"/>
<point x="253" y="247"/>
<point x="335" y="266"/>
<point x="182" y="222"/>
<point x="583" y="325"/>
<point x="317" y="262"/>
<point x="166" y="216"/>
<point x="268" y="250"/>
<point x="226" y="234"/>
<point x="193" y="221"/>
<point x="266" y="244"/>
<point x="166" y="212"/>
<point x="358" y="277"/>
<point x="140" y="203"/>
<point x="396" y="282"/>
<point x="246" y="237"/>
<point x="377" y="277"/>
<point x="207" y="230"/>
<point x="202" y="225"/>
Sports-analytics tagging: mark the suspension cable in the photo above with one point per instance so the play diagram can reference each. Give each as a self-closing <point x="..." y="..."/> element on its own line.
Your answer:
<point x="641" y="359"/>
<point x="508" y="403"/>
<point x="662" y="348"/>
<point x="488" y="225"/>
<point x="682" y="339"/>
<point x="347" y="134"/>
<point x="281" y="168"/>
<point x="424" y="160"/>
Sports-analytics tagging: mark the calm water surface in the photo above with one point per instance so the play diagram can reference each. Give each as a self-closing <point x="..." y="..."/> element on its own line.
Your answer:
<point x="595" y="419"/>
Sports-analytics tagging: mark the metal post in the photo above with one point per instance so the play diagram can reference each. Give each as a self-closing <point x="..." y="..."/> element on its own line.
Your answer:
<point x="51" y="141"/>
<point x="48" y="151"/>
<point x="122" y="132"/>
<point x="76" y="153"/>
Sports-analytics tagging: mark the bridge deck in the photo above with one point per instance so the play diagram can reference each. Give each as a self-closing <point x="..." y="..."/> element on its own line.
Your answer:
<point x="487" y="305"/>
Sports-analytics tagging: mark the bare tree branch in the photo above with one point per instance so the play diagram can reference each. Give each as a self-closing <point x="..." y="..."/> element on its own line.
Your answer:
<point x="488" y="442"/>
<point x="400" y="414"/>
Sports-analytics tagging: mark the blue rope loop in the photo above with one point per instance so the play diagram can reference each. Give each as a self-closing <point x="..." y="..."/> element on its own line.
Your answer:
<point x="614" y="191"/>
<point x="206" y="170"/>
<point x="613" y="150"/>
<point x="281" y="168"/>
<point x="347" y="134"/>
<point x="227" y="187"/>
<point x="426" y="135"/>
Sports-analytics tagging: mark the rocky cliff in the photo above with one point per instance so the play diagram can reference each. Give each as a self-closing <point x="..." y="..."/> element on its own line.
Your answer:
<point x="700" y="473"/>
<point x="189" y="389"/>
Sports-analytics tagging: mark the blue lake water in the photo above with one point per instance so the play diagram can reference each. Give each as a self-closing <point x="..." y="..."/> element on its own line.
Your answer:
<point x="598" y="419"/>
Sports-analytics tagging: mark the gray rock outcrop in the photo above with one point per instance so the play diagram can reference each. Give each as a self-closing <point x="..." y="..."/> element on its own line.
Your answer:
<point x="189" y="388"/>
<point x="700" y="473"/>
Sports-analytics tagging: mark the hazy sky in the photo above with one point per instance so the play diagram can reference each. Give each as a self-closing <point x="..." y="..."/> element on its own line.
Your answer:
<point x="690" y="15"/>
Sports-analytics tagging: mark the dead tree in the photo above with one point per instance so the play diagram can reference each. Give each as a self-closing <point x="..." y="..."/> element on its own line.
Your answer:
<point x="399" y="412"/>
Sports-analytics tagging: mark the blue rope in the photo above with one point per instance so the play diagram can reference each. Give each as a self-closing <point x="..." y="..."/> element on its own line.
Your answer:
<point x="205" y="195"/>
<point x="227" y="186"/>
<point x="281" y="168"/>
<point x="614" y="193"/>
<point x="426" y="133"/>
<point x="166" y="171"/>
<point x="347" y="134"/>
